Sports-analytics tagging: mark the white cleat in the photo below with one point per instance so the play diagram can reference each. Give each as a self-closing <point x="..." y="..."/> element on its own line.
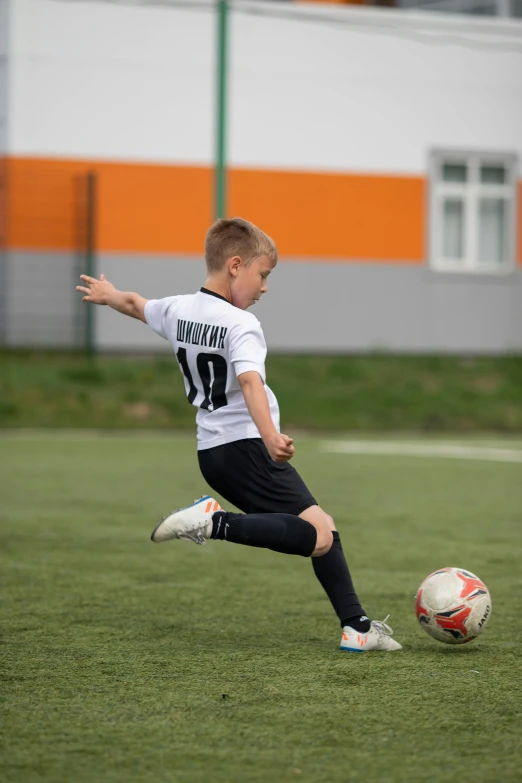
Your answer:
<point x="193" y="522"/>
<point x="377" y="638"/>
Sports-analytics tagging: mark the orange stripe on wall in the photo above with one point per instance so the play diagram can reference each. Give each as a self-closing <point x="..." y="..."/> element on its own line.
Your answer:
<point x="3" y="202"/>
<point x="163" y="209"/>
<point x="333" y="216"/>
<point x="335" y="2"/>
<point x="139" y="207"/>
<point x="154" y="208"/>
<point x="43" y="199"/>
<point x="167" y="209"/>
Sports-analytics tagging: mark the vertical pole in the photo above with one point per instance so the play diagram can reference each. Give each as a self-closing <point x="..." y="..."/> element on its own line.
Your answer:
<point x="220" y="194"/>
<point x="90" y="256"/>
<point x="504" y="7"/>
<point x="4" y="257"/>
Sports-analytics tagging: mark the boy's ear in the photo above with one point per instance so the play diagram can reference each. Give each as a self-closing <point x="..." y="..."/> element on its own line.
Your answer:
<point x="233" y="265"/>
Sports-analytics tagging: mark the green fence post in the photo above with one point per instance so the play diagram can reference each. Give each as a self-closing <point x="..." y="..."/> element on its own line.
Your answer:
<point x="90" y="255"/>
<point x="220" y="196"/>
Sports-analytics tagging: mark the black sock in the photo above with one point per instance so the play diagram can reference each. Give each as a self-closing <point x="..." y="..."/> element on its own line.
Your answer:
<point x="333" y="573"/>
<point x="279" y="532"/>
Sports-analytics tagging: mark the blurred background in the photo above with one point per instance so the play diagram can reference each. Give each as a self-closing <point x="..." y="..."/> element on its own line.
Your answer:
<point x="378" y="143"/>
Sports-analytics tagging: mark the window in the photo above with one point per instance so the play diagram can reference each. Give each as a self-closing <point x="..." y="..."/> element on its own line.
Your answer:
<point x="473" y="212"/>
<point x="503" y="8"/>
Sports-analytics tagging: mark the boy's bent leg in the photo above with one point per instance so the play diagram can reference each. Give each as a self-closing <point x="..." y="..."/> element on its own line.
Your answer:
<point x="283" y="533"/>
<point x="291" y="535"/>
<point x="331" y="569"/>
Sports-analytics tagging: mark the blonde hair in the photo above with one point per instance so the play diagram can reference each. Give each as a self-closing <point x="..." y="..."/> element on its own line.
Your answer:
<point x="237" y="237"/>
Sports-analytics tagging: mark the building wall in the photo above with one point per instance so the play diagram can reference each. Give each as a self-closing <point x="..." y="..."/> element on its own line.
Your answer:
<point x="329" y="307"/>
<point x="333" y="114"/>
<point x="40" y="310"/>
<point x="4" y="39"/>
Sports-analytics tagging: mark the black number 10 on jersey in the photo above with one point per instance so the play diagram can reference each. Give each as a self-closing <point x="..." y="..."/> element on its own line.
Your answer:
<point x="212" y="380"/>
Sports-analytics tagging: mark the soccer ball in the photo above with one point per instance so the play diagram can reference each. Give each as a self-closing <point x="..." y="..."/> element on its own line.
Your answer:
<point x="453" y="605"/>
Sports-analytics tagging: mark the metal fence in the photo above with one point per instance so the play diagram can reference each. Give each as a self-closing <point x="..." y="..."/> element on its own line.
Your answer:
<point x="38" y="302"/>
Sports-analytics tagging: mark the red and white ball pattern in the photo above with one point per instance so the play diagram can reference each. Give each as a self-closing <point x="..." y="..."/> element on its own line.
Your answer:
<point x="453" y="605"/>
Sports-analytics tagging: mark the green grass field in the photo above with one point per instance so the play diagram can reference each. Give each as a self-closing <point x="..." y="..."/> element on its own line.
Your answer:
<point x="371" y="392"/>
<point x="132" y="662"/>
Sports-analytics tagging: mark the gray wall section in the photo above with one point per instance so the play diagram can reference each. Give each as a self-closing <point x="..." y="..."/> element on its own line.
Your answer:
<point x="152" y="277"/>
<point x="38" y="304"/>
<point x="341" y="307"/>
<point x="309" y="307"/>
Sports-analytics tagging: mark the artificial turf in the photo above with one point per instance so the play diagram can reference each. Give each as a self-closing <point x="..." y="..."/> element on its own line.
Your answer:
<point x="125" y="661"/>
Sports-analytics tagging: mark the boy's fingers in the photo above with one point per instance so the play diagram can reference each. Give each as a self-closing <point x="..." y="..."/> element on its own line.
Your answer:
<point x="88" y="279"/>
<point x="102" y="277"/>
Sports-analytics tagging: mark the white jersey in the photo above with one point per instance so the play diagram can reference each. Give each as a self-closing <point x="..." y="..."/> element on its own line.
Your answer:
<point x="214" y="343"/>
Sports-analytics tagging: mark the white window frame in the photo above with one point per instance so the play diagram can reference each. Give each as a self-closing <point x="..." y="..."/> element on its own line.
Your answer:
<point x="471" y="192"/>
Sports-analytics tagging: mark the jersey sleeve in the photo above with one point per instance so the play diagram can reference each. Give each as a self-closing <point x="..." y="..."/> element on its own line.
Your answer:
<point x="248" y="349"/>
<point x="156" y="311"/>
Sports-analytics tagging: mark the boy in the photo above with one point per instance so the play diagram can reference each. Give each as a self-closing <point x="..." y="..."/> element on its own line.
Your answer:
<point x="221" y="351"/>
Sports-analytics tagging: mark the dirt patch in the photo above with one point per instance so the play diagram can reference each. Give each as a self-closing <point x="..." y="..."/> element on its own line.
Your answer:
<point x="488" y="384"/>
<point x="138" y="410"/>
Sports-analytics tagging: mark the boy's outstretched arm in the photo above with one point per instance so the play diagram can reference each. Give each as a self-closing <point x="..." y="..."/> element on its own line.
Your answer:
<point x="103" y="292"/>
<point x="279" y="446"/>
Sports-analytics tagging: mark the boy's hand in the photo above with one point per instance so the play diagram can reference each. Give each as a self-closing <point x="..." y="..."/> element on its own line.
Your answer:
<point x="280" y="447"/>
<point x="101" y="292"/>
<point x="97" y="291"/>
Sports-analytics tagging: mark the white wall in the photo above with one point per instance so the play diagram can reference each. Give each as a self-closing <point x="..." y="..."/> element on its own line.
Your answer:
<point x="329" y="89"/>
<point x="4" y="51"/>
<point x="372" y="92"/>
<point x="109" y="81"/>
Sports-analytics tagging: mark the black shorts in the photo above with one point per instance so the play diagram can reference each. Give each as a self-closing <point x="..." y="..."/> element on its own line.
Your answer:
<point x="245" y="475"/>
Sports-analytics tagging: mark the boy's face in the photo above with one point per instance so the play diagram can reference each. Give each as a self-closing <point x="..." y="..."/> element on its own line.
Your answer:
<point x="250" y="283"/>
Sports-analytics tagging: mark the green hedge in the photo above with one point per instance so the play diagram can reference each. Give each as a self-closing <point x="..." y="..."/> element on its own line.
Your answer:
<point x="376" y="392"/>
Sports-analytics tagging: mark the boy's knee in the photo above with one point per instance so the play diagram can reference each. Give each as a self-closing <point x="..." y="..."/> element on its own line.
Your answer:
<point x="324" y="526"/>
<point x="324" y="539"/>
